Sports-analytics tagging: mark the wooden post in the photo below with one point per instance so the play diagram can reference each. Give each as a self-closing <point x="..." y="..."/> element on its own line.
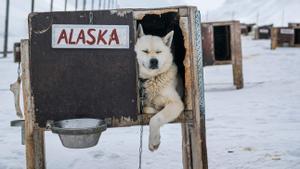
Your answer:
<point x="100" y="4"/>
<point x="186" y="147"/>
<point x="32" y="5"/>
<point x="274" y="33"/>
<point x="108" y="4"/>
<point x="6" y="29"/>
<point x="66" y="3"/>
<point x="84" y="5"/>
<point x="34" y="136"/>
<point x="92" y="4"/>
<point x="51" y="5"/>
<point x="76" y="5"/>
<point x="104" y="4"/>
<point x="194" y="141"/>
<point x="237" y="60"/>
<point x="256" y="33"/>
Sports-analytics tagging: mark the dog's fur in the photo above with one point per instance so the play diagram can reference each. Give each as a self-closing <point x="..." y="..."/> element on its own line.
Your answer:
<point x="161" y="81"/>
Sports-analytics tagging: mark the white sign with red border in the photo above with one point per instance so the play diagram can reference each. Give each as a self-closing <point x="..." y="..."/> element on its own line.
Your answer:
<point x="90" y="36"/>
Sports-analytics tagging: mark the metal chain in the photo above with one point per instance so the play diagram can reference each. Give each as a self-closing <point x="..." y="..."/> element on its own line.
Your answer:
<point x="142" y="96"/>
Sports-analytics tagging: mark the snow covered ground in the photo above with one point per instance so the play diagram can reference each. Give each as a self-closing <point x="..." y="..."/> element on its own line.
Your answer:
<point x="257" y="127"/>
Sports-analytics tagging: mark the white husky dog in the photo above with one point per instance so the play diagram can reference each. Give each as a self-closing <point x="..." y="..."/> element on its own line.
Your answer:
<point x="156" y="67"/>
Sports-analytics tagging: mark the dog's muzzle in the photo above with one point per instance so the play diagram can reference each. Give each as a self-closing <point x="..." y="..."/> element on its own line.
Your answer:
<point x="153" y="63"/>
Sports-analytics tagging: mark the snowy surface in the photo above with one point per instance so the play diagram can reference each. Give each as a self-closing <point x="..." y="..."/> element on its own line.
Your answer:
<point x="257" y="127"/>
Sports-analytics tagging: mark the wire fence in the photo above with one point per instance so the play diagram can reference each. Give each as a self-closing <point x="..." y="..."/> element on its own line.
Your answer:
<point x="69" y="5"/>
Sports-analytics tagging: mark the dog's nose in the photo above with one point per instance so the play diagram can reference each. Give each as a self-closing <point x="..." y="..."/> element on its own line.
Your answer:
<point x="153" y="63"/>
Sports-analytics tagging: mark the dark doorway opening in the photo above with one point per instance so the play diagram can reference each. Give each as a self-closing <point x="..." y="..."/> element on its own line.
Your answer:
<point x="297" y="36"/>
<point x="222" y="43"/>
<point x="264" y="33"/>
<point x="249" y="28"/>
<point x="160" y="25"/>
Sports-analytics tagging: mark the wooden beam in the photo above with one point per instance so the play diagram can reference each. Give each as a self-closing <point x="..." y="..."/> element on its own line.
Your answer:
<point x="194" y="140"/>
<point x="51" y="5"/>
<point x="66" y="4"/>
<point x="32" y="5"/>
<point x="274" y="44"/>
<point x="34" y="136"/>
<point x="197" y="130"/>
<point x="237" y="60"/>
<point x="186" y="136"/>
<point x="76" y="5"/>
<point x="6" y="29"/>
<point x="143" y="119"/>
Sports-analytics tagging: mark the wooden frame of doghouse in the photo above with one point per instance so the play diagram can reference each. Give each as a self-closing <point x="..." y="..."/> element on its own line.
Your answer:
<point x="296" y="27"/>
<point x="246" y="28"/>
<point x="263" y="32"/>
<point x="192" y="119"/>
<point x="286" y="36"/>
<point x="282" y="37"/>
<point x="229" y="35"/>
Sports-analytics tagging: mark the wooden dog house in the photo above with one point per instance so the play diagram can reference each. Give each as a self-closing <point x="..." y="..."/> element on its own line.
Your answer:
<point x="246" y="28"/>
<point x="297" y="37"/>
<point x="282" y="37"/>
<point x="89" y="80"/>
<point x="286" y="36"/>
<point x="263" y="32"/>
<point x="296" y="27"/>
<point x="221" y="43"/>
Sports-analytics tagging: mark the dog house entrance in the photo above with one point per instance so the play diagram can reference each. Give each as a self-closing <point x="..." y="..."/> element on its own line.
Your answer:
<point x="160" y="25"/>
<point x="297" y="36"/>
<point x="222" y="43"/>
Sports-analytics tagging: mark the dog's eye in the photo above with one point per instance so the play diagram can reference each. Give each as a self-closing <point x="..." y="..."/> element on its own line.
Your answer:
<point x="146" y="51"/>
<point x="157" y="52"/>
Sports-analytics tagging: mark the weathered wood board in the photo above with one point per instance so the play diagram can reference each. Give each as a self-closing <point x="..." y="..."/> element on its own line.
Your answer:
<point x="81" y="82"/>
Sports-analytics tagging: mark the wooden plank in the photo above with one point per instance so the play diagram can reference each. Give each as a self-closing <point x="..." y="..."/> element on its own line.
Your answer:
<point x="274" y="33"/>
<point x="144" y="119"/>
<point x="76" y="83"/>
<point x="34" y="137"/>
<point x="237" y="60"/>
<point x="195" y="157"/>
<point x="208" y="44"/>
<point x="183" y="23"/>
<point x="186" y="147"/>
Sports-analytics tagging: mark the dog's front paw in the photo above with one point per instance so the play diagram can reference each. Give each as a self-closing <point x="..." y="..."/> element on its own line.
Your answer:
<point x="154" y="142"/>
<point x="149" y="110"/>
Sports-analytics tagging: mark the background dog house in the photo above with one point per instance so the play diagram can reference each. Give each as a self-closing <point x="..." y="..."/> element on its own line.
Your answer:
<point x="296" y="27"/>
<point x="282" y="37"/>
<point x="246" y="28"/>
<point x="263" y="32"/>
<point x="285" y="37"/>
<point x="222" y="45"/>
<point x="102" y="82"/>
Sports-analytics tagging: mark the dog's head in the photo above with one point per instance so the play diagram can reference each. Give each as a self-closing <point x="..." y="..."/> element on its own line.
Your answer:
<point x="153" y="53"/>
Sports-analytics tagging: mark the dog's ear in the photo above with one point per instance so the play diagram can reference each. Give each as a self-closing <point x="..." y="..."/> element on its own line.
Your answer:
<point x="168" y="38"/>
<point x="140" y="31"/>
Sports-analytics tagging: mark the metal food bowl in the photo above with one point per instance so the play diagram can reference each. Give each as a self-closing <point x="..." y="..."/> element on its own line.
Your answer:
<point x="79" y="133"/>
